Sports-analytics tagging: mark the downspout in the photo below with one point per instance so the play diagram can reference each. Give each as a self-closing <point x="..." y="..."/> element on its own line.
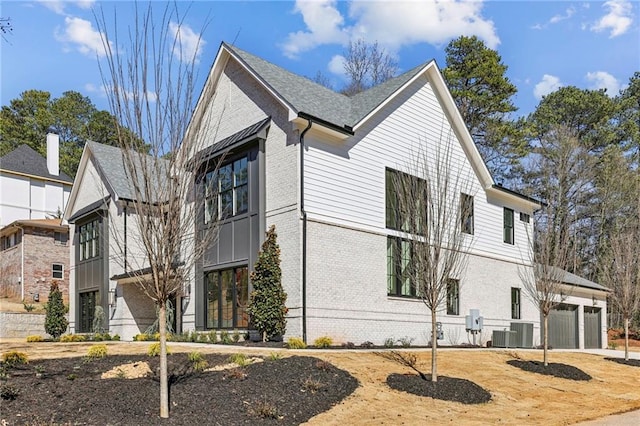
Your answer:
<point x="125" y="236"/>
<point x="22" y="263"/>
<point x="303" y="213"/>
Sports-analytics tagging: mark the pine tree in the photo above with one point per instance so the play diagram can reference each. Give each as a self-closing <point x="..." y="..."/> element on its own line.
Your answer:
<point x="55" y="322"/>
<point x="267" y="307"/>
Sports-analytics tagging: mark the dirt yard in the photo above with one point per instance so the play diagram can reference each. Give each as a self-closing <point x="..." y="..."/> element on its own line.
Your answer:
<point x="518" y="397"/>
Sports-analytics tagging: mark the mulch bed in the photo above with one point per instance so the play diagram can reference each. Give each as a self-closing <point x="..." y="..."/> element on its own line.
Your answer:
<point x="562" y="371"/>
<point x="446" y="388"/>
<point x="629" y="362"/>
<point x="283" y="391"/>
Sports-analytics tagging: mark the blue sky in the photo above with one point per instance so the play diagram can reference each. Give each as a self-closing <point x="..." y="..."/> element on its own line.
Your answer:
<point x="546" y="44"/>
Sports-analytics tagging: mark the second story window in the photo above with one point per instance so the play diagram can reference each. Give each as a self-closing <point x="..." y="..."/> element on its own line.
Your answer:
<point x="60" y="238"/>
<point x="227" y="191"/>
<point x="508" y="226"/>
<point x="406" y="202"/>
<point x="88" y="240"/>
<point x="466" y="213"/>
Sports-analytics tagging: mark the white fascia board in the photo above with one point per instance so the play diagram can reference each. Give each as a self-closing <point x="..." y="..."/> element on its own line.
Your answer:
<point x="76" y="182"/>
<point x="300" y="123"/>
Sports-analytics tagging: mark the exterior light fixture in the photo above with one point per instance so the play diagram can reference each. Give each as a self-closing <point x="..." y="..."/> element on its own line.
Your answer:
<point x="112" y="297"/>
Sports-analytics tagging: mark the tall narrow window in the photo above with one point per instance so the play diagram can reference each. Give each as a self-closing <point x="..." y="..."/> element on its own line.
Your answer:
<point x="508" y="226"/>
<point x="515" y="303"/>
<point x="405" y="201"/>
<point x="88" y="240"/>
<point x="453" y="297"/>
<point x="399" y="279"/>
<point x="466" y="213"/>
<point x="87" y="306"/>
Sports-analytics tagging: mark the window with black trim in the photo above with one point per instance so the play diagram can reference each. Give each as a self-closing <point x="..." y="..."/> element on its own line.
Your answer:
<point x="86" y="310"/>
<point x="507" y="226"/>
<point x="60" y="238"/>
<point x="466" y="213"/>
<point x="57" y="271"/>
<point x="226" y="191"/>
<point x="88" y="240"/>
<point x="453" y="297"/>
<point x="405" y="202"/>
<point x="399" y="280"/>
<point x="525" y="217"/>
<point x="515" y="303"/>
<point x="227" y="298"/>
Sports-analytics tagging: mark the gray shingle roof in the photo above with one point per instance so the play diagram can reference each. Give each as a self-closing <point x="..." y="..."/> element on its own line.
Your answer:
<point x="111" y="163"/>
<point x="573" y="279"/>
<point x="304" y="95"/>
<point x="25" y="159"/>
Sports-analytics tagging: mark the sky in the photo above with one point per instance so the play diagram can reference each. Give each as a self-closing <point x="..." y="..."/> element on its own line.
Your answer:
<point x="55" y="45"/>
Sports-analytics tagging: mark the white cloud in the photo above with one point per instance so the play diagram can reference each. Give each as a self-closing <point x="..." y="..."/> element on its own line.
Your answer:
<point x="58" y="6"/>
<point x="568" y="14"/>
<point x="392" y="24"/>
<point x="336" y="65"/>
<point x="548" y="84"/>
<point x="603" y="80"/>
<point x="80" y="32"/>
<point x="188" y="44"/>
<point x="618" y="20"/>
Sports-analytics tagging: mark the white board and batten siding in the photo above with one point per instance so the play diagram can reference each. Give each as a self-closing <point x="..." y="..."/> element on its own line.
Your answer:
<point x="345" y="180"/>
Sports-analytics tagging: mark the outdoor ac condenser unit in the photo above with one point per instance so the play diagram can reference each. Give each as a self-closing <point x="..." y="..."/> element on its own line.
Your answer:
<point x="524" y="334"/>
<point x="503" y="339"/>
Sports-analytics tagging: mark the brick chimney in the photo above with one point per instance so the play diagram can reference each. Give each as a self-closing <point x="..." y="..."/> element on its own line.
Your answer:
<point x="53" y="153"/>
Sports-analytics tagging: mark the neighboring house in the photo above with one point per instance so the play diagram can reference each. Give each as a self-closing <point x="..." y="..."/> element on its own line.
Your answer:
<point x="33" y="254"/>
<point x="32" y="187"/>
<point x="316" y="164"/>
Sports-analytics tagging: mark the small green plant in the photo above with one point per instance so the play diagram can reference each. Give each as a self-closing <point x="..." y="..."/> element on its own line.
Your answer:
<point x="34" y="338"/>
<point x="311" y="385"/>
<point x="240" y="359"/>
<point x="3" y="372"/>
<point x="225" y="339"/>
<point x="323" y="342"/>
<point x="15" y="358"/>
<point x="198" y="362"/>
<point x="213" y="337"/>
<point x="27" y="306"/>
<point x="613" y="345"/>
<point x="405" y="342"/>
<point x="296" y="343"/>
<point x="266" y="410"/>
<point x="97" y="351"/>
<point x="389" y="342"/>
<point x="274" y="356"/>
<point x="9" y="392"/>
<point x="39" y="371"/>
<point x="72" y="376"/>
<point x="121" y="374"/>
<point x="235" y="336"/>
<point x="154" y="349"/>
<point x="115" y="337"/>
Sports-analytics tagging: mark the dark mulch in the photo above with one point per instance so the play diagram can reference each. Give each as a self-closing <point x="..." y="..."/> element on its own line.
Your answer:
<point x="562" y="371"/>
<point x="285" y="391"/>
<point x="446" y="388"/>
<point x="629" y="362"/>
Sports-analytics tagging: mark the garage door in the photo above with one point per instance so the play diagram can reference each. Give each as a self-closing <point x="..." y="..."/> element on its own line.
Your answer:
<point x="592" y="335"/>
<point x="563" y="327"/>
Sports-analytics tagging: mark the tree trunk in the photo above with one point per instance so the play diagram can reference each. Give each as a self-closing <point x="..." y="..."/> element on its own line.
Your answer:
<point x="434" y="345"/>
<point x="546" y="340"/>
<point x="164" y="382"/>
<point x="626" y="339"/>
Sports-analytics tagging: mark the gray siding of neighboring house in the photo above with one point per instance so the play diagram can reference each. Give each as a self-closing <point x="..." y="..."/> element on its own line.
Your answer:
<point x="92" y="274"/>
<point x="239" y="237"/>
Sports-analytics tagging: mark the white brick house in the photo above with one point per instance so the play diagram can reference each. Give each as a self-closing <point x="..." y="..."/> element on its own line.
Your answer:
<point x="313" y="163"/>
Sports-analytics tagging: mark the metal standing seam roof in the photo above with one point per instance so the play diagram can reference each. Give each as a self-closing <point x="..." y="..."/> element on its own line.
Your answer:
<point x="26" y="160"/>
<point x="314" y="99"/>
<point x="111" y="163"/>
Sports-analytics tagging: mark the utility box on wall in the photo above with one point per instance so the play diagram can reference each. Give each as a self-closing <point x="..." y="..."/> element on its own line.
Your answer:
<point x="473" y="321"/>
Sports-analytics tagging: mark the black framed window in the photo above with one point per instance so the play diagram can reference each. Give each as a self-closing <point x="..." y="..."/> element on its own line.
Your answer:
<point x="453" y="297"/>
<point x="88" y="240"/>
<point x="57" y="271"/>
<point x="399" y="280"/>
<point x="515" y="303"/>
<point x="227" y="298"/>
<point x="405" y="202"/>
<point x="525" y="217"/>
<point x="60" y="238"/>
<point x="87" y="308"/>
<point x="466" y="213"/>
<point x="507" y="226"/>
<point x="226" y="191"/>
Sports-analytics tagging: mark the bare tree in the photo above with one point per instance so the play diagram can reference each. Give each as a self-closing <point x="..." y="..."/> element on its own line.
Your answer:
<point x="425" y="205"/>
<point x="367" y="65"/>
<point x="622" y="274"/>
<point x="5" y="27"/>
<point x="150" y="88"/>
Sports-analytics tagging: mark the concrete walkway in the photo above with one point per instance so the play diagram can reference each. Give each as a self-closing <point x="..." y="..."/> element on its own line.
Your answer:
<point x="631" y="418"/>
